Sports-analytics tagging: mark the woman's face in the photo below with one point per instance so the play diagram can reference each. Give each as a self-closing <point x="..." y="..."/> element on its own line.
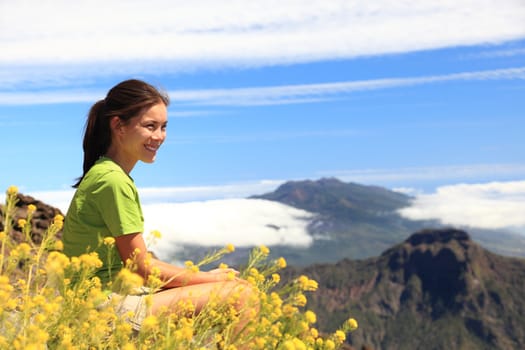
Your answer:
<point x="142" y="136"/>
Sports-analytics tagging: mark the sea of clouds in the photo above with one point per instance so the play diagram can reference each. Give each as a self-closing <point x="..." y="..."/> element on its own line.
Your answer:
<point x="248" y="222"/>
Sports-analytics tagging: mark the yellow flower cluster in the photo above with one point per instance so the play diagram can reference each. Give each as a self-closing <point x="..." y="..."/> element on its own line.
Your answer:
<point x="50" y="301"/>
<point x="307" y="284"/>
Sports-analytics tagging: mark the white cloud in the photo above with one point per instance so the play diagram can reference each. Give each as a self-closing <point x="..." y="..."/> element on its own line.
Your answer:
<point x="430" y="173"/>
<point x="316" y="92"/>
<point x="155" y="195"/>
<point x="59" y="199"/>
<point x="185" y="35"/>
<point x="242" y="222"/>
<point x="185" y="215"/>
<point x="270" y="95"/>
<point x="151" y="195"/>
<point x="494" y="205"/>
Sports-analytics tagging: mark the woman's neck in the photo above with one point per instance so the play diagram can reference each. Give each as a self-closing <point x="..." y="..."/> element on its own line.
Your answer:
<point x="121" y="160"/>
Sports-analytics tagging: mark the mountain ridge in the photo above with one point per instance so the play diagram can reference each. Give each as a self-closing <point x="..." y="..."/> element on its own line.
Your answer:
<point x="438" y="289"/>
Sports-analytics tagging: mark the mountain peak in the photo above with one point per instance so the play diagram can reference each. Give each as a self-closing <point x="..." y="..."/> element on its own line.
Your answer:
<point x="331" y="195"/>
<point x="443" y="236"/>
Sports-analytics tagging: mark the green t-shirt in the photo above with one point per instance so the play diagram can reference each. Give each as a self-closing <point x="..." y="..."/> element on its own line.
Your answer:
<point x="106" y="204"/>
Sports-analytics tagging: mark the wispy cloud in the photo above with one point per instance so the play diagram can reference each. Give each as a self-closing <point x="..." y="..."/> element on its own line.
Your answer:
<point x="429" y="173"/>
<point x="494" y="205"/>
<point x="263" y="137"/>
<point x="270" y="95"/>
<point x="496" y="53"/>
<point x="181" y="35"/>
<point x="290" y="93"/>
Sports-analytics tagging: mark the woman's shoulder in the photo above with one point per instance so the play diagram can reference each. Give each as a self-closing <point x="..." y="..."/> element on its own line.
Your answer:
<point x="105" y="171"/>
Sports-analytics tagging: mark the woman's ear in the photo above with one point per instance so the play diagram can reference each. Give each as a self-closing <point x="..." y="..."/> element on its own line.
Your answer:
<point x="115" y="124"/>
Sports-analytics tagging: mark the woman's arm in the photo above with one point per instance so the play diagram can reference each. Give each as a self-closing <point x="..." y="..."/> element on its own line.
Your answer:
<point x="132" y="246"/>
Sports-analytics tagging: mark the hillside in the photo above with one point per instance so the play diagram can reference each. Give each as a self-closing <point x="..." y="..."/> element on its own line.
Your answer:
<point x="42" y="217"/>
<point x="357" y="221"/>
<point x="353" y="221"/>
<point x="436" y="290"/>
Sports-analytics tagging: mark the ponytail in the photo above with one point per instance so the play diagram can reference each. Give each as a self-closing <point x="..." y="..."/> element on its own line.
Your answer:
<point x="129" y="99"/>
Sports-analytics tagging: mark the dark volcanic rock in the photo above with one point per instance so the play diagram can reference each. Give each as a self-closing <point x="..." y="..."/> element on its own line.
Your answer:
<point x="42" y="217"/>
<point x="436" y="290"/>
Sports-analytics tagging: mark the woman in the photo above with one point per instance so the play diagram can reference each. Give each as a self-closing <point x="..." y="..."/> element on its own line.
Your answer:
<point x="128" y="126"/>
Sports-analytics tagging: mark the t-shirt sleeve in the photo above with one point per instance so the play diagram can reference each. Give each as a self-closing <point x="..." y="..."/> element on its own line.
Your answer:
<point x="119" y="205"/>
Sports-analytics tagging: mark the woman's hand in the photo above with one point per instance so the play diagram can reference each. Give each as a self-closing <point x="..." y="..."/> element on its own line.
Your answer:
<point x="227" y="274"/>
<point x="226" y="270"/>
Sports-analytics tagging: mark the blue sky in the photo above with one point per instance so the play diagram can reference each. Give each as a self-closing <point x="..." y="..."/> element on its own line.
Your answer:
<point x="414" y="96"/>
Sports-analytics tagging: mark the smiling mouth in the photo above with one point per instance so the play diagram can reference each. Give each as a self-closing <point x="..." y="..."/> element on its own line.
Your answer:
<point x="152" y="148"/>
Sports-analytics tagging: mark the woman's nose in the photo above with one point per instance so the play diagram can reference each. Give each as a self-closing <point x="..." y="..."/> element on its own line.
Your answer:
<point x="159" y="134"/>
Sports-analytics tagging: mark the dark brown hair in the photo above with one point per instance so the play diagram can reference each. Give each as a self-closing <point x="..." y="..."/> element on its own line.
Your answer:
<point x="128" y="99"/>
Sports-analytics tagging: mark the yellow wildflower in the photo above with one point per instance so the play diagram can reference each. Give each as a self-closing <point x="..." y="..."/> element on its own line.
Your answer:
<point x="223" y="266"/>
<point x="276" y="278"/>
<point x="230" y="248"/>
<point x="31" y="208"/>
<point x="299" y="344"/>
<point x="299" y="300"/>
<point x="58" y="221"/>
<point x="264" y="250"/>
<point x="329" y="344"/>
<point x="127" y="281"/>
<point x="260" y="342"/>
<point x="109" y="241"/>
<point x="314" y="332"/>
<point x="22" y="223"/>
<point x="23" y="250"/>
<point x="281" y="262"/>
<point x="307" y="284"/>
<point x="352" y="323"/>
<point x="59" y="245"/>
<point x="90" y="260"/>
<point x="156" y="234"/>
<point x="310" y="316"/>
<point x="150" y="323"/>
<point x="12" y="190"/>
<point x="340" y="336"/>
<point x="289" y="310"/>
<point x="288" y="345"/>
<point x="56" y="263"/>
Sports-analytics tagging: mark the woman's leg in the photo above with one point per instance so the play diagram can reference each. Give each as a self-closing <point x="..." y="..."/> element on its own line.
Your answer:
<point x="200" y="294"/>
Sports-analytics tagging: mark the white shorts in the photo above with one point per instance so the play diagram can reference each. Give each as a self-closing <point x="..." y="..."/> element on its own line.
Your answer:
<point x="134" y="304"/>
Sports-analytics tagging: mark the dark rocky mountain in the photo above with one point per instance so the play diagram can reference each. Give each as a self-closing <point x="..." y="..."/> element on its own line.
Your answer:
<point x="436" y="290"/>
<point x="42" y="217"/>
<point x="334" y="198"/>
